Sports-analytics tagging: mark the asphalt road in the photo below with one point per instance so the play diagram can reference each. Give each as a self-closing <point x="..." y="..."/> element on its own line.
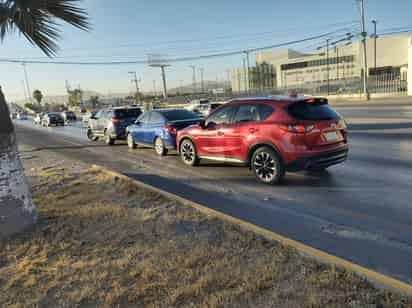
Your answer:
<point x="360" y="211"/>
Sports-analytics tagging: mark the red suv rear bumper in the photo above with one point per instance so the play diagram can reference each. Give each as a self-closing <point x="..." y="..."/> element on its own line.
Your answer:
<point x="319" y="161"/>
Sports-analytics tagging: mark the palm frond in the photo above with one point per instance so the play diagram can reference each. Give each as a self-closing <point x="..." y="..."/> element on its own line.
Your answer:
<point x="38" y="20"/>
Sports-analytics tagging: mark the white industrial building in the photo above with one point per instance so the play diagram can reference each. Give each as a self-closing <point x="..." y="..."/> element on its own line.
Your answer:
<point x="293" y="68"/>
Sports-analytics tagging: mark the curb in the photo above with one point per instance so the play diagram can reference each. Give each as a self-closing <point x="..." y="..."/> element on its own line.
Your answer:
<point x="375" y="278"/>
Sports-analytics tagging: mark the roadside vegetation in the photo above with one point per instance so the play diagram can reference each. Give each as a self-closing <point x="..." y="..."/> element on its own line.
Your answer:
<point x="103" y="242"/>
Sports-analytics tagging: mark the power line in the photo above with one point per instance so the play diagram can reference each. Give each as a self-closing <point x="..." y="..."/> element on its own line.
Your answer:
<point x="228" y="38"/>
<point x="395" y="32"/>
<point x="177" y="59"/>
<point x="217" y="38"/>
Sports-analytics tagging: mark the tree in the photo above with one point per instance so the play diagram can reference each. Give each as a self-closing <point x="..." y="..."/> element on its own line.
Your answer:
<point x="37" y="21"/>
<point x="75" y="97"/>
<point x="93" y="102"/>
<point x="38" y="96"/>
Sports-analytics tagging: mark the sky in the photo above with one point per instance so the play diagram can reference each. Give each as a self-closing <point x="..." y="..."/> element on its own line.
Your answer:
<point x="131" y="29"/>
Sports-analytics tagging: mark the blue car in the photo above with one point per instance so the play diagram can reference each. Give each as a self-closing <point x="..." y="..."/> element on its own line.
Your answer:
<point x="158" y="128"/>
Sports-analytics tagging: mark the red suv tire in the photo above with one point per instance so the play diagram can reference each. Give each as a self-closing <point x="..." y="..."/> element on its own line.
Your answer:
<point x="267" y="166"/>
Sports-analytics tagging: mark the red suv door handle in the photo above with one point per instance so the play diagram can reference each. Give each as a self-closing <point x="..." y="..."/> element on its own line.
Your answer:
<point x="220" y="133"/>
<point x="253" y="130"/>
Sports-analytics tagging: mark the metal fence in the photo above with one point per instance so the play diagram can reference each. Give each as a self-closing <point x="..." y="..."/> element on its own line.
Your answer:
<point x="391" y="84"/>
<point x="387" y="83"/>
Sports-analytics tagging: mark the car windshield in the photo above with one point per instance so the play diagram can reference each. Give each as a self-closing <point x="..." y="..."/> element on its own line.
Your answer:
<point x="127" y="113"/>
<point x="305" y="111"/>
<point x="179" y="115"/>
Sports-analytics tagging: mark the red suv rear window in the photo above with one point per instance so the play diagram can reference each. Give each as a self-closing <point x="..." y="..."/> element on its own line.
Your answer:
<point x="312" y="111"/>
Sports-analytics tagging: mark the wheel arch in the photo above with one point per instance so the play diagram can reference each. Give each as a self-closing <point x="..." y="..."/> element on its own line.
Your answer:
<point x="128" y="132"/>
<point x="258" y="145"/>
<point x="186" y="137"/>
<point x="155" y="137"/>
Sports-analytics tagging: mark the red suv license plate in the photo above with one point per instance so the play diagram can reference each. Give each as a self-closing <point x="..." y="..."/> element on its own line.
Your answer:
<point x="332" y="136"/>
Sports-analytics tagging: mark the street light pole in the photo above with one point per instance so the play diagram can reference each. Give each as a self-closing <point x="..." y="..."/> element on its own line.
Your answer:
<point x="375" y="36"/>
<point x="246" y="52"/>
<point x="363" y="37"/>
<point x="327" y="65"/>
<point x="193" y="77"/>
<point x="201" y="78"/>
<point x="228" y="79"/>
<point x="25" y="90"/>
<point x="165" y="96"/>
<point x="337" y="62"/>
<point x="154" y="88"/>
<point x="244" y="75"/>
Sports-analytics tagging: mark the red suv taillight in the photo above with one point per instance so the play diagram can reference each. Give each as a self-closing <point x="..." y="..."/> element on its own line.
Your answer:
<point x="116" y="121"/>
<point x="172" y="130"/>
<point x="297" y="128"/>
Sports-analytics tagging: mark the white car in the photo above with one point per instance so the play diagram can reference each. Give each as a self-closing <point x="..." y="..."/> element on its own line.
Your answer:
<point x="86" y="118"/>
<point x="197" y="104"/>
<point x="206" y="109"/>
<point x="38" y="118"/>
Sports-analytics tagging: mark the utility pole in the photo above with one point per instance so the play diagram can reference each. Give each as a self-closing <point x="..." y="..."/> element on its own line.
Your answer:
<point x="327" y="65"/>
<point x="67" y="85"/>
<point x="244" y="74"/>
<point x="24" y="89"/>
<point x="375" y="36"/>
<point x="201" y="79"/>
<point x="337" y="62"/>
<point x="136" y="81"/>
<point x="193" y="77"/>
<point x="363" y="37"/>
<point x="246" y="52"/>
<point x="27" y="82"/>
<point x="154" y="88"/>
<point x="162" y="67"/>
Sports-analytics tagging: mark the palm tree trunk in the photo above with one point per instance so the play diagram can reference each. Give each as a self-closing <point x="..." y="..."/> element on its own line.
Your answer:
<point x="17" y="211"/>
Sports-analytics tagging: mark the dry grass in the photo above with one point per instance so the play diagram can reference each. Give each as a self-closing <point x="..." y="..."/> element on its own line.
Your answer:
<point x="103" y="242"/>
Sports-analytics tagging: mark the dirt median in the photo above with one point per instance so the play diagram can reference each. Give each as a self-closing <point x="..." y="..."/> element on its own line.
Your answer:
<point x="101" y="241"/>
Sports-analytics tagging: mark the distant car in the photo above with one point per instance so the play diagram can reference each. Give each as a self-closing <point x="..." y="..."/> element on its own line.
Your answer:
<point x="86" y="118"/>
<point x="196" y="104"/>
<point x="111" y="123"/>
<point x="69" y="116"/>
<point x="21" y="116"/>
<point x="270" y="135"/>
<point x="52" y="118"/>
<point x="13" y="115"/>
<point x="207" y="109"/>
<point x="158" y="128"/>
<point x="38" y="118"/>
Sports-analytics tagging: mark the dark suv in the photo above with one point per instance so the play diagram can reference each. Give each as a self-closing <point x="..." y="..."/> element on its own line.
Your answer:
<point x="271" y="135"/>
<point x="111" y="123"/>
<point x="69" y="116"/>
<point x="52" y="118"/>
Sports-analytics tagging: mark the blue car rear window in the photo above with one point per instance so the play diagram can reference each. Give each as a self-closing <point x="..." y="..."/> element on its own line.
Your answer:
<point x="178" y="115"/>
<point x="127" y="113"/>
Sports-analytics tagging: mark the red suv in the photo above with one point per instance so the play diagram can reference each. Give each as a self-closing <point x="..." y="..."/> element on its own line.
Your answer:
<point x="271" y="135"/>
